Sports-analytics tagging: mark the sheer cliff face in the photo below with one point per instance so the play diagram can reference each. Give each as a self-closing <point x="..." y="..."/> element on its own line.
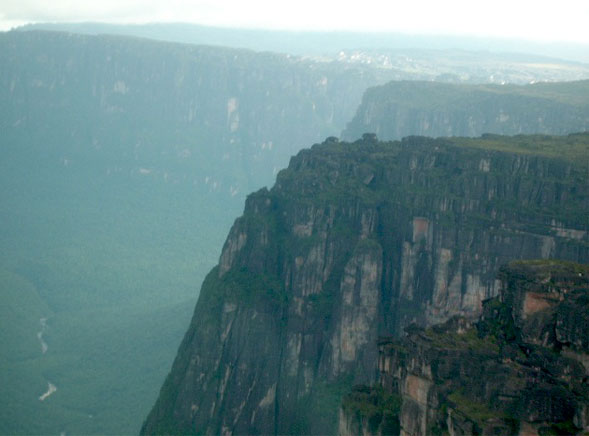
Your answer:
<point x="356" y="241"/>
<point x="231" y="116"/>
<point x="398" y="109"/>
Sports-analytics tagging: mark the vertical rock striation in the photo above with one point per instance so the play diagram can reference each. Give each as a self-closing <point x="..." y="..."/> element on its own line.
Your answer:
<point x="220" y="117"/>
<point x="354" y="242"/>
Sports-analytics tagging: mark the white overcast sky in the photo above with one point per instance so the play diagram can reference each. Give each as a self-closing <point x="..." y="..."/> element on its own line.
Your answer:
<point x="555" y="20"/>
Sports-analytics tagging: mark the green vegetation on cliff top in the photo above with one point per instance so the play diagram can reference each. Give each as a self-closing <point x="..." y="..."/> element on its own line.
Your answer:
<point x="549" y="181"/>
<point x="573" y="148"/>
<point x="411" y="93"/>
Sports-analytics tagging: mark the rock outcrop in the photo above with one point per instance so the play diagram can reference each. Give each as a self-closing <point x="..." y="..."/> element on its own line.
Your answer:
<point x="354" y="242"/>
<point x="403" y="108"/>
<point x="522" y="368"/>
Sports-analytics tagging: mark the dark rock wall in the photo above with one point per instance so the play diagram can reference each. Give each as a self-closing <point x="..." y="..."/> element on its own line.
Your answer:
<point x="356" y="241"/>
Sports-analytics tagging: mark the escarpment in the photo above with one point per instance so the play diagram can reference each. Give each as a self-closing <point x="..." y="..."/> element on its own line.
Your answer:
<point x="223" y="119"/>
<point x="354" y="242"/>
<point x="402" y="108"/>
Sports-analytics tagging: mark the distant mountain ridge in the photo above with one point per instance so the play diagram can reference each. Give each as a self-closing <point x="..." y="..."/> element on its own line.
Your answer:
<point x="174" y="101"/>
<point x="318" y="43"/>
<point x="402" y="108"/>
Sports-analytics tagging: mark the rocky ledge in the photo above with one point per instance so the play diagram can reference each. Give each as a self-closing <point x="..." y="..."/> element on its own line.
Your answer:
<point x="522" y="368"/>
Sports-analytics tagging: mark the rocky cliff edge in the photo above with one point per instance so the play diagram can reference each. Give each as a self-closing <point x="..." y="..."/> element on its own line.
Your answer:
<point x="354" y="242"/>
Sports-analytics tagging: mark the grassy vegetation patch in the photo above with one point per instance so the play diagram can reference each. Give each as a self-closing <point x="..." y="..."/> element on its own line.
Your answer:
<point x="574" y="147"/>
<point x="477" y="411"/>
<point x="467" y="340"/>
<point x="375" y="407"/>
<point x="246" y="287"/>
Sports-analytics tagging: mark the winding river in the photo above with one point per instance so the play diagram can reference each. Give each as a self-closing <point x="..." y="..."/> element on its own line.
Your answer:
<point x="51" y="388"/>
<point x="44" y="346"/>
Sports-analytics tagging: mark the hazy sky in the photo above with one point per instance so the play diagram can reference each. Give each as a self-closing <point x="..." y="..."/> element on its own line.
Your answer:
<point x="556" y="20"/>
